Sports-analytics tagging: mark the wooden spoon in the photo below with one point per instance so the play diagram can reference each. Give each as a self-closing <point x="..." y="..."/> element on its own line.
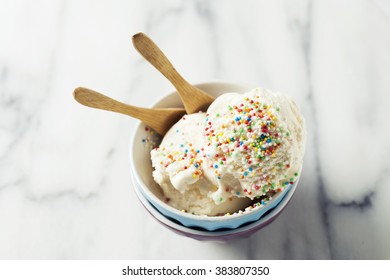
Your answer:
<point x="194" y="99"/>
<point x="160" y="119"/>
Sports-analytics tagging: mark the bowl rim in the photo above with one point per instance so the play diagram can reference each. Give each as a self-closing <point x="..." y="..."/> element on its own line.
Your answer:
<point x="173" y="210"/>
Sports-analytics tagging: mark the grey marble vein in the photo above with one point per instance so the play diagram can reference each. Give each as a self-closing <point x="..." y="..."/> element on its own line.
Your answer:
<point x="206" y="11"/>
<point x="68" y="194"/>
<point x="306" y="31"/>
<point x="362" y="205"/>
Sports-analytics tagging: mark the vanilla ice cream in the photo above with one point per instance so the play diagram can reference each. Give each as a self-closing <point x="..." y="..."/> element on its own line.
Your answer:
<point x="245" y="148"/>
<point x="179" y="170"/>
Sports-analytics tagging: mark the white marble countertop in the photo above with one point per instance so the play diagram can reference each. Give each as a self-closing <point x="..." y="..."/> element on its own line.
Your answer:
<point x="65" y="189"/>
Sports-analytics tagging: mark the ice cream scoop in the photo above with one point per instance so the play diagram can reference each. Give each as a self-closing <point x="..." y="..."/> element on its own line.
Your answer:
<point x="255" y="143"/>
<point x="180" y="170"/>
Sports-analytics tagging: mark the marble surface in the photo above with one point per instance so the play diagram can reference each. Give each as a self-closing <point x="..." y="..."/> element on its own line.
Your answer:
<point x="65" y="188"/>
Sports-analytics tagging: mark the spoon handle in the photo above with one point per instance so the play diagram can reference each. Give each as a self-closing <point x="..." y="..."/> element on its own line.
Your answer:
<point x="97" y="100"/>
<point x="193" y="98"/>
<point x="160" y="119"/>
<point x="152" y="53"/>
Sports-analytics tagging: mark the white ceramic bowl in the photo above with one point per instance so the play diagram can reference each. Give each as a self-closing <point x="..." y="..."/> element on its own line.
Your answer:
<point x="141" y="169"/>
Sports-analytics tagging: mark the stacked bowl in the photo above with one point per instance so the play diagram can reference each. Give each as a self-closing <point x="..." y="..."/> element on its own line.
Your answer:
<point x="217" y="228"/>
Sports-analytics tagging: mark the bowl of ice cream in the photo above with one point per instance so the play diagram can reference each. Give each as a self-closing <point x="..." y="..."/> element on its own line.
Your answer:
<point x="224" y="168"/>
